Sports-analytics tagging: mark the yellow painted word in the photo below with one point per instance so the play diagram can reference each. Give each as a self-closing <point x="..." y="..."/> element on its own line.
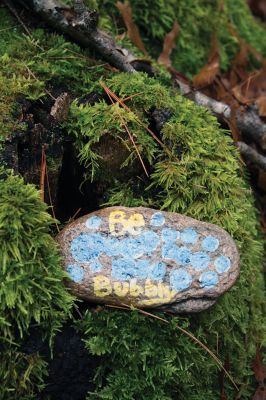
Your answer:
<point x="119" y="224"/>
<point x="155" y="293"/>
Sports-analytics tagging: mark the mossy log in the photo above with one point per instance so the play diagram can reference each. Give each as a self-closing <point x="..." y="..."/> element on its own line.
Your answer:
<point x="196" y="172"/>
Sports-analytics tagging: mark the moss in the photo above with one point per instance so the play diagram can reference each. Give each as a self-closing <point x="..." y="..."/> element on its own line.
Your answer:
<point x="30" y="65"/>
<point x="197" y="173"/>
<point x="32" y="290"/>
<point x="21" y="375"/>
<point x="198" y="20"/>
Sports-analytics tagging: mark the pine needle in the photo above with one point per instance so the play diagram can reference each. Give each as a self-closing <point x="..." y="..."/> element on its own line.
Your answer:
<point x="185" y="332"/>
<point x="108" y="91"/>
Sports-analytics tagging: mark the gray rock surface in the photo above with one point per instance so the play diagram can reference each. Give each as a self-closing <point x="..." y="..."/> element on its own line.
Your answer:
<point x="148" y="258"/>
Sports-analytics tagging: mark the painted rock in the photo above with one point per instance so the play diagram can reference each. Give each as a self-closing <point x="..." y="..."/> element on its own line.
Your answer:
<point x="148" y="258"/>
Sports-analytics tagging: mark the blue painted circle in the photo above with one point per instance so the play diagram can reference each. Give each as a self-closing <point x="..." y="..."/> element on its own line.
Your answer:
<point x="96" y="266"/>
<point x="76" y="273"/>
<point x="200" y="260"/>
<point x="170" y="235"/>
<point x="180" y="279"/>
<point x="157" y="219"/>
<point x="222" y="264"/>
<point x="189" y="236"/>
<point x="123" y="269"/>
<point x="210" y="243"/>
<point x="157" y="271"/>
<point x="93" y="222"/>
<point x="183" y="256"/>
<point x="86" y="247"/>
<point x="208" y="279"/>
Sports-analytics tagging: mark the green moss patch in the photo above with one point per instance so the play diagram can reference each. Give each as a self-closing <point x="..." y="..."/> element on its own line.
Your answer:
<point x="197" y="173"/>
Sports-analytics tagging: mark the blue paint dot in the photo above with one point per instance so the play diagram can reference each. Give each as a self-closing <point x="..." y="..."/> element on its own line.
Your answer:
<point x="157" y="271"/>
<point x="208" y="279"/>
<point x="87" y="247"/>
<point x="157" y="219"/>
<point x="141" y="269"/>
<point x="200" y="260"/>
<point x="222" y="264"/>
<point x="113" y="246"/>
<point x="93" y="222"/>
<point x="76" y="273"/>
<point x="181" y="255"/>
<point x="148" y="241"/>
<point x="170" y="235"/>
<point x="189" y="236"/>
<point x="123" y="269"/>
<point x="96" y="266"/>
<point x="132" y="247"/>
<point x="210" y="243"/>
<point x="180" y="279"/>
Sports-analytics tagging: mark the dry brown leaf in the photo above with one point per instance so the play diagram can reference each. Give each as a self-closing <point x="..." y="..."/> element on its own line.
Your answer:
<point x="208" y="73"/>
<point x="232" y="123"/>
<point x="132" y="29"/>
<point x="168" y="45"/>
<point x="261" y="103"/>
<point x="252" y="88"/>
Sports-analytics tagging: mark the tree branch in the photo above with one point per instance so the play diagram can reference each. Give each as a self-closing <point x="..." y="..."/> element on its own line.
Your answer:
<point x="81" y="25"/>
<point x="252" y="155"/>
<point x="248" y="121"/>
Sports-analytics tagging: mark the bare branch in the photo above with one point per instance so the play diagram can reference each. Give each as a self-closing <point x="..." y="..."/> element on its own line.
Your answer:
<point x="248" y="121"/>
<point x="252" y="155"/>
<point x="81" y="25"/>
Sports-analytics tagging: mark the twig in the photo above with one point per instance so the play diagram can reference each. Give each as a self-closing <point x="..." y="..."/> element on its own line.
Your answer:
<point x="35" y="77"/>
<point x="12" y="9"/>
<point x="252" y="155"/>
<point x="184" y="331"/>
<point x="43" y="172"/>
<point x="50" y="197"/>
<point x="83" y="29"/>
<point x="247" y="120"/>
<point x="74" y="215"/>
<point x="129" y="110"/>
<point x="108" y="91"/>
<point x="88" y="35"/>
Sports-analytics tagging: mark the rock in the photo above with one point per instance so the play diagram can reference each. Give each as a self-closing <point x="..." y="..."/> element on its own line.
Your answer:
<point x="148" y="258"/>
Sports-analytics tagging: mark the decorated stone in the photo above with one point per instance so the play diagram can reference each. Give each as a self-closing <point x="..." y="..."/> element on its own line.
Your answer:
<point x="148" y="258"/>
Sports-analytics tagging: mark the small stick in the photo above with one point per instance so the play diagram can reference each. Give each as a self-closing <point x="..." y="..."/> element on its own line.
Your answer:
<point x="128" y="132"/>
<point x="43" y="171"/>
<point x="185" y="332"/>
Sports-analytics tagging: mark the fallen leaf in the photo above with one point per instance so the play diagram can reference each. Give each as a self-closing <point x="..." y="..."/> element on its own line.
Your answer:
<point x="232" y="123"/>
<point x="208" y="73"/>
<point x="261" y="103"/>
<point x="253" y="87"/>
<point x="132" y="29"/>
<point x="168" y="45"/>
<point x="260" y="374"/>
